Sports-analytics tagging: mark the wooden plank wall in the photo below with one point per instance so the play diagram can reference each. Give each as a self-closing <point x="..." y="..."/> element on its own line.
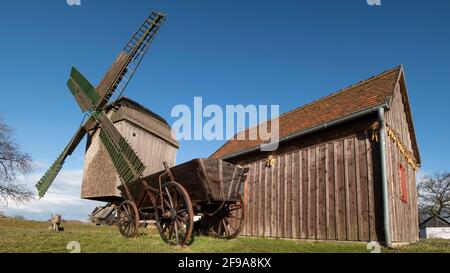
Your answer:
<point x="323" y="192"/>
<point x="404" y="216"/>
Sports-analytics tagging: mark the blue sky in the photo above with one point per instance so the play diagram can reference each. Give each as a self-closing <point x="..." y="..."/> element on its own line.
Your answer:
<point x="229" y="52"/>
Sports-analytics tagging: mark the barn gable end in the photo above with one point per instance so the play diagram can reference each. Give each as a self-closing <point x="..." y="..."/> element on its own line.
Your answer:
<point x="403" y="159"/>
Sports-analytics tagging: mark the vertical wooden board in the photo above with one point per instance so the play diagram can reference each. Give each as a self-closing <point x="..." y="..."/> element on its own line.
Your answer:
<point x="347" y="190"/>
<point x="321" y="208"/>
<point x="246" y="186"/>
<point x="279" y="197"/>
<point x="288" y="197"/>
<point x="262" y="184"/>
<point x="268" y="202"/>
<point x="399" y="204"/>
<point x="251" y="181"/>
<point x="363" y="191"/>
<point x="331" y="191"/>
<point x="358" y="188"/>
<point x="336" y="188"/>
<point x="408" y="207"/>
<point x="390" y="175"/>
<point x="300" y="196"/>
<point x="351" y="184"/>
<point x="398" y="208"/>
<point x="416" y="214"/>
<point x="252" y="204"/>
<point x="295" y="201"/>
<point x="244" y="228"/>
<point x="403" y="208"/>
<point x="281" y="201"/>
<point x="416" y="208"/>
<point x="312" y="194"/>
<point x="251" y="199"/>
<point x="370" y="193"/>
<point x="257" y="185"/>
<point x="326" y="195"/>
<point x="244" y="197"/>
<point x="274" y="196"/>
<point x="412" y="219"/>
<point x="393" y="194"/>
<point x="306" y="192"/>
<point x="341" y="196"/>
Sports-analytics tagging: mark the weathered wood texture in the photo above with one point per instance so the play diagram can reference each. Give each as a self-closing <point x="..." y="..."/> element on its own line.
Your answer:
<point x="318" y="188"/>
<point x="404" y="216"/>
<point x="205" y="180"/>
<point x="327" y="186"/>
<point x="113" y="73"/>
<point x="149" y="137"/>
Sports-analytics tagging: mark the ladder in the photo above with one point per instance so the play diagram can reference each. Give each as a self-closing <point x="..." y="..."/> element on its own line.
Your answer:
<point x="135" y="49"/>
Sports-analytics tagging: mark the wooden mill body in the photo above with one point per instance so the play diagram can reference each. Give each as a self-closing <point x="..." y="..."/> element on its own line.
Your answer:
<point x="148" y="134"/>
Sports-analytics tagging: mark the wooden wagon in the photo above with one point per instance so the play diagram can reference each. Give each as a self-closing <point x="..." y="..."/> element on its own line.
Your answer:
<point x="207" y="190"/>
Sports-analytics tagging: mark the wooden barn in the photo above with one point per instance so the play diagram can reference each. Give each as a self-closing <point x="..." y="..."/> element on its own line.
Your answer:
<point x="345" y="168"/>
<point x="150" y="136"/>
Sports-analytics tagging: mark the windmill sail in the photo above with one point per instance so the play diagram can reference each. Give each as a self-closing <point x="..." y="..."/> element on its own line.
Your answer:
<point x="126" y="64"/>
<point x="46" y="181"/>
<point x="82" y="90"/>
<point x="94" y="100"/>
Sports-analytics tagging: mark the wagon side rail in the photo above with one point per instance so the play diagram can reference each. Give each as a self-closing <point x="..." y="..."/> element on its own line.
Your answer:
<point x="227" y="188"/>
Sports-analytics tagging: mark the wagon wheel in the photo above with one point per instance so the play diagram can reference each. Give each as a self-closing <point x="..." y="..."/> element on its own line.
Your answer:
<point x="128" y="219"/>
<point x="175" y="218"/>
<point x="229" y="221"/>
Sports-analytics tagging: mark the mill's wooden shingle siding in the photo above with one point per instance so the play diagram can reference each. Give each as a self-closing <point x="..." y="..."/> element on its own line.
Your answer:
<point x="327" y="185"/>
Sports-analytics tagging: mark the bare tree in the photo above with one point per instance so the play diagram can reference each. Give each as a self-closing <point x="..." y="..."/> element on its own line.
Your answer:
<point x="12" y="163"/>
<point x="434" y="196"/>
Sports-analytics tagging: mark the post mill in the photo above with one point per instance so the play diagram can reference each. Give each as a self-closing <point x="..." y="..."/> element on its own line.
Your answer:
<point x="107" y="121"/>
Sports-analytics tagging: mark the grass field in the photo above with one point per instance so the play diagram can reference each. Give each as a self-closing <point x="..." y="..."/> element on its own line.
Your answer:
<point x="29" y="236"/>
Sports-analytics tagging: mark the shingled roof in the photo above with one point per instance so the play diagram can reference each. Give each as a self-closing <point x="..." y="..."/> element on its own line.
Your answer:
<point x="372" y="92"/>
<point x="124" y="101"/>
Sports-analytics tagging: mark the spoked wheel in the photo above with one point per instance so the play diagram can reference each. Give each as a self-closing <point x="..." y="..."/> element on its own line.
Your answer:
<point x="229" y="221"/>
<point x="174" y="216"/>
<point x="128" y="219"/>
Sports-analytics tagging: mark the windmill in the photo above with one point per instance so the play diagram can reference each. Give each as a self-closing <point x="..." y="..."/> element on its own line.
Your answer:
<point x="93" y="101"/>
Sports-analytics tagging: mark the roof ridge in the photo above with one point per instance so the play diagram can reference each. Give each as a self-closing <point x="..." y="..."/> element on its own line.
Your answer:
<point x="342" y="90"/>
<point x="326" y="97"/>
<point x="137" y="106"/>
<point x="399" y="68"/>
